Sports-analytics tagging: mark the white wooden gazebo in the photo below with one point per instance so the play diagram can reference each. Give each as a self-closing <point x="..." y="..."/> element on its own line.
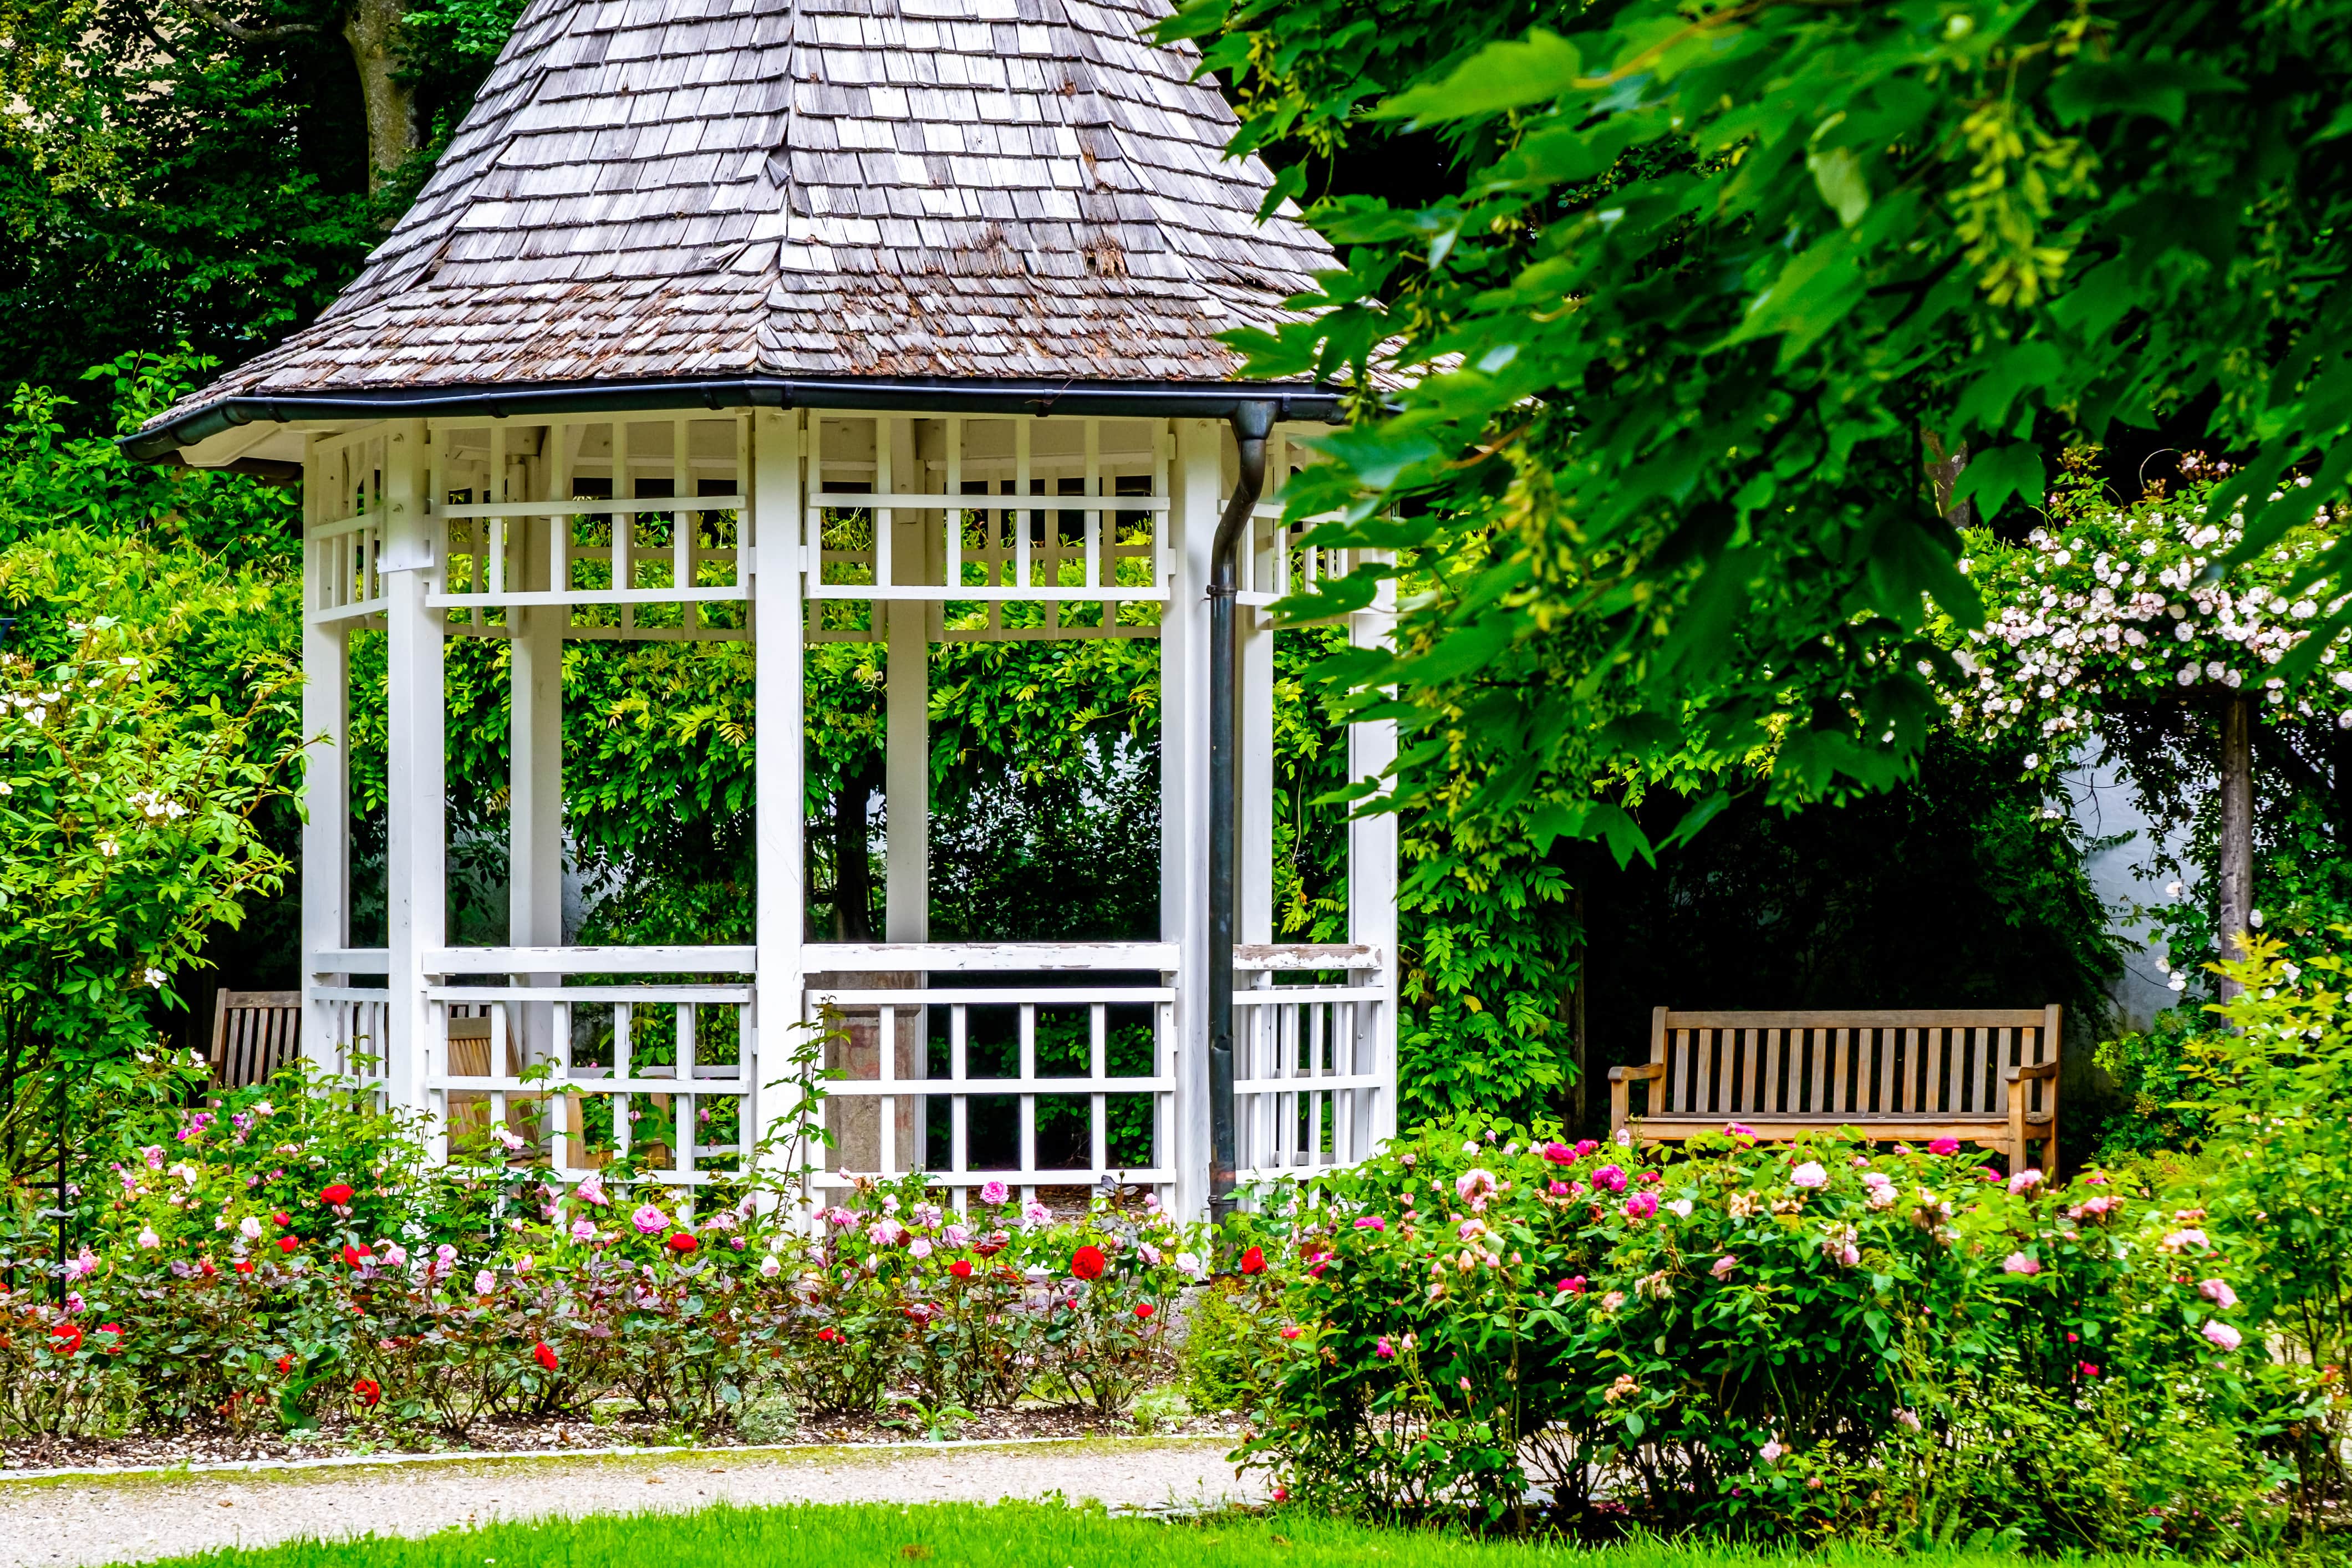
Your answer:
<point x="709" y="312"/>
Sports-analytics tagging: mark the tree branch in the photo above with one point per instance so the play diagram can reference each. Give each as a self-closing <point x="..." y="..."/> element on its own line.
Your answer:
<point x="244" y="33"/>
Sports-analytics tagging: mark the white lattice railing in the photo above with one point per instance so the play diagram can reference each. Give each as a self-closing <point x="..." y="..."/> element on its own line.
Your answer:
<point x="344" y="527"/>
<point x="352" y="1021"/>
<point x="1071" y="517"/>
<point x="657" y="1073"/>
<point x="1314" y="1086"/>
<point x="524" y="524"/>
<point x="911" y="1021"/>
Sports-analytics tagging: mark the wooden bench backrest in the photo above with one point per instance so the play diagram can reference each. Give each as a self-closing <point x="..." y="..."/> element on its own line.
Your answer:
<point x="1846" y="1065"/>
<point x="255" y="1033"/>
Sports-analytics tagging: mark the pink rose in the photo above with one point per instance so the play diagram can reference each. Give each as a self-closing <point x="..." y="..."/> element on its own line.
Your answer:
<point x="1641" y="1206"/>
<point x="1723" y="1265"/>
<point x="2018" y="1263"/>
<point x="1809" y="1175"/>
<point x="2223" y="1336"/>
<point x="2218" y="1291"/>
<point x="1943" y="1146"/>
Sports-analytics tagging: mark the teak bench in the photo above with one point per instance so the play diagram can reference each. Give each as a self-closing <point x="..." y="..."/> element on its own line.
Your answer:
<point x="255" y="1033"/>
<point x="1983" y="1075"/>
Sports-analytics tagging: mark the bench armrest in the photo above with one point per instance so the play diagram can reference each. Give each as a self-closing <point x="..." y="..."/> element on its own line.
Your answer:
<point x="2039" y="1069"/>
<point x="1635" y="1074"/>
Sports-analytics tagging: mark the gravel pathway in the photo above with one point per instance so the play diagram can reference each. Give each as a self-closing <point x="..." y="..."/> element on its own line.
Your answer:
<point x="83" y="1523"/>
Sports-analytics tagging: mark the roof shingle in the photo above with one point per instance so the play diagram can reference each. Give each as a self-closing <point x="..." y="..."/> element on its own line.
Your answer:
<point x="951" y="188"/>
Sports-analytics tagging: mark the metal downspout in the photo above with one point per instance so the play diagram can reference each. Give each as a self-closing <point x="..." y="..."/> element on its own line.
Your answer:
<point x="1251" y="423"/>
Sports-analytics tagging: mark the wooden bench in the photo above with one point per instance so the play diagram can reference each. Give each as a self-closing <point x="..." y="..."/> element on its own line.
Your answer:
<point x="255" y="1033"/>
<point x="1983" y="1075"/>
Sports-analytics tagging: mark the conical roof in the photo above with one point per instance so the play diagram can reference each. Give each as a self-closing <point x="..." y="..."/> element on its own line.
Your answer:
<point x="827" y="188"/>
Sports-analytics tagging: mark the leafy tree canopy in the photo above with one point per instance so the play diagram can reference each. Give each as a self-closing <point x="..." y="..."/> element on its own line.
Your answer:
<point x="1717" y="294"/>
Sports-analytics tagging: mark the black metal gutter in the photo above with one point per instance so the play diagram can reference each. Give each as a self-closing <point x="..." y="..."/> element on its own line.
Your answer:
<point x="1251" y="423"/>
<point x="1149" y="400"/>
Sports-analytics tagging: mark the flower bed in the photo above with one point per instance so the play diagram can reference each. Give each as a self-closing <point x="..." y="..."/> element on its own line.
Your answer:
<point x="285" y="1264"/>
<point x="1826" y="1338"/>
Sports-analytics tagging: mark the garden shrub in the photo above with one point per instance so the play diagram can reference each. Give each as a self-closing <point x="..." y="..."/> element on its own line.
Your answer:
<point x="1757" y="1338"/>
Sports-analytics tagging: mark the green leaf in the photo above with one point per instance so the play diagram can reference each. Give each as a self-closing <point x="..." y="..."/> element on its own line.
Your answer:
<point x="2019" y="368"/>
<point x="2158" y="88"/>
<point x="1837" y="174"/>
<point x="1497" y="78"/>
<point x="1994" y="476"/>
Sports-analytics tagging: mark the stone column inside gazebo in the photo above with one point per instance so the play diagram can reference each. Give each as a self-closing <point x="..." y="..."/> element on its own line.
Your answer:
<point x="788" y="322"/>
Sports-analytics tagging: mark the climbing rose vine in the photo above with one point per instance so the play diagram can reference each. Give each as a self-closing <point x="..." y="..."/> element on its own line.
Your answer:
<point x="2112" y="604"/>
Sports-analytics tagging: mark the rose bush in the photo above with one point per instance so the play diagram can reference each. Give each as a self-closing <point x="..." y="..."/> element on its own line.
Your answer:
<point x="287" y="1256"/>
<point x="1765" y="1339"/>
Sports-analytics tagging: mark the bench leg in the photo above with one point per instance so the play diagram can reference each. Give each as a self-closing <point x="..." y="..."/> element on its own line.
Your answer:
<point x="1621" y="1108"/>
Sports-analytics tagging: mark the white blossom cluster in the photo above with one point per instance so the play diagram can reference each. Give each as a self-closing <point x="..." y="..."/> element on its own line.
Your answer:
<point x="2114" y="603"/>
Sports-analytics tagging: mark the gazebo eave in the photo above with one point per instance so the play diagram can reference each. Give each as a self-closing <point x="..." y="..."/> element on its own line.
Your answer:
<point x="1289" y="401"/>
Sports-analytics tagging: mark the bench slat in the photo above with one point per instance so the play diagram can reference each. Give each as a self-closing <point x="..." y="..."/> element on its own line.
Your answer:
<point x="1883" y="1018"/>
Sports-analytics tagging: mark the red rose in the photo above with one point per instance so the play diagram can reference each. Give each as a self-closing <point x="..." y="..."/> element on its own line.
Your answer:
<point x="116" y="1330"/>
<point x="280" y="1219"/>
<point x="681" y="1243"/>
<point x="1144" y="1309"/>
<point x="337" y="1195"/>
<point x="367" y="1390"/>
<point x="960" y="1268"/>
<point x="1086" y="1263"/>
<point x="289" y="1242"/>
<point x="285" y="1364"/>
<point x="355" y="1255"/>
<point x="544" y="1354"/>
<point x="829" y="1336"/>
<point x="245" y="1265"/>
<point x="1254" y="1261"/>
<point x="65" y="1339"/>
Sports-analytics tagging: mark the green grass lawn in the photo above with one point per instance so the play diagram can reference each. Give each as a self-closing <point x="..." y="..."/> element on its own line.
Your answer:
<point x="1009" y="1535"/>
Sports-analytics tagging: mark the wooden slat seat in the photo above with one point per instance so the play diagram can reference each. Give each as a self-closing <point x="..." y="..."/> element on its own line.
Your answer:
<point x="1986" y="1076"/>
<point x="468" y="1109"/>
<point x="255" y="1033"/>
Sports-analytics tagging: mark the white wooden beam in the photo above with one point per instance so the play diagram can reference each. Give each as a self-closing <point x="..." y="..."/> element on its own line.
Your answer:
<point x="906" y="696"/>
<point x="780" y="770"/>
<point x="1254" y="718"/>
<point x="416" y="859"/>
<point x="1198" y="488"/>
<point x="1372" y="885"/>
<point x="326" y="779"/>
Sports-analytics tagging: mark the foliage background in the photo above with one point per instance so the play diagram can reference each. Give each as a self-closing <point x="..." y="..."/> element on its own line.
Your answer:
<point x="1044" y="759"/>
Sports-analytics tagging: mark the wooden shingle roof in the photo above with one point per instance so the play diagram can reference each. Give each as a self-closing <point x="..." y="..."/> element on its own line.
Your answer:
<point x="884" y="188"/>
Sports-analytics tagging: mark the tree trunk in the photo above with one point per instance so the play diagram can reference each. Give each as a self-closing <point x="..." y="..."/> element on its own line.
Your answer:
<point x="1943" y="473"/>
<point x="2232" y="924"/>
<point x="374" y="31"/>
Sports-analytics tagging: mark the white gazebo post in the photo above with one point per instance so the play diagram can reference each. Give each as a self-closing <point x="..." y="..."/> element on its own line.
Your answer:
<point x="1372" y="889"/>
<point x="779" y="764"/>
<point x="1197" y="490"/>
<point x="326" y="790"/>
<point x="416" y="704"/>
